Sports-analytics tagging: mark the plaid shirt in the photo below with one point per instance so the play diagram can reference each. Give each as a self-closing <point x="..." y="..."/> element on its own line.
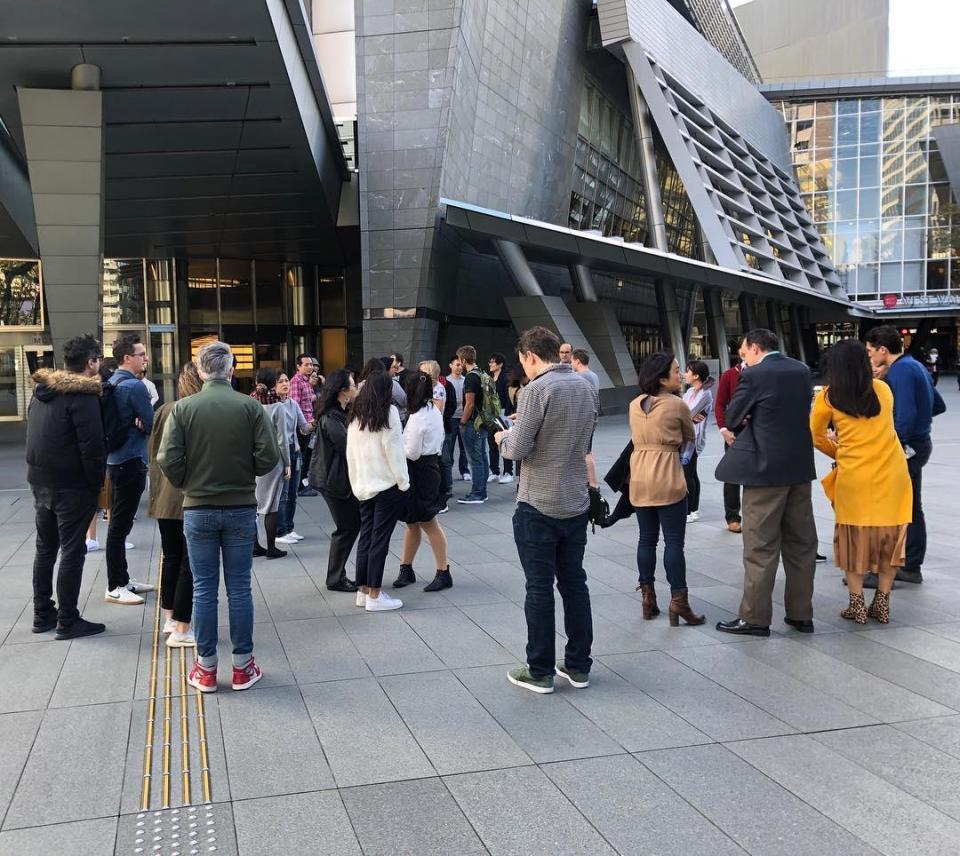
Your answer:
<point x="555" y="422"/>
<point x="302" y="393"/>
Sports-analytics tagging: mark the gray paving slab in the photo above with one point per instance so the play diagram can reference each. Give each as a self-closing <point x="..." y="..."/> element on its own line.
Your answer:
<point x="318" y="649"/>
<point x="292" y="597"/>
<point x="522" y="812"/>
<point x="17" y="733"/>
<point x="271" y="745"/>
<point x="315" y="823"/>
<point x="635" y="811"/>
<point x="79" y="838"/>
<point x="388" y="645"/>
<point x="546" y="729"/>
<point x="505" y="622"/>
<point x="75" y="769"/>
<point x="942" y="733"/>
<point x="885" y="816"/>
<point x="451" y="726"/>
<point x="469" y="588"/>
<point x="917" y="642"/>
<point x="364" y="739"/>
<point x="28" y="675"/>
<point x="88" y="660"/>
<point x="714" y="710"/>
<point x="459" y="643"/>
<point x="409" y="819"/>
<point x="760" y="815"/>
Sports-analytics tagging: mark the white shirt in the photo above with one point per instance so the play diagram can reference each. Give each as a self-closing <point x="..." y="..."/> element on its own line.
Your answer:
<point x="424" y="433"/>
<point x="375" y="459"/>
<point x="152" y="389"/>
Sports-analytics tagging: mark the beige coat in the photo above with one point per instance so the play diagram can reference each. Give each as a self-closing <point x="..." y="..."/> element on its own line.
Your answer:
<point x="656" y="476"/>
<point x="166" y="501"/>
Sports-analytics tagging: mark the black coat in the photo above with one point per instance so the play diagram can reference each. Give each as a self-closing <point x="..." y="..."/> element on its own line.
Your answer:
<point x="770" y="410"/>
<point x="618" y="478"/>
<point x="66" y="449"/>
<point x="328" y="466"/>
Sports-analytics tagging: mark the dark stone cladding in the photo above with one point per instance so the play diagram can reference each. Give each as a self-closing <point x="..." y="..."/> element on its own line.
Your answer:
<point x="473" y="101"/>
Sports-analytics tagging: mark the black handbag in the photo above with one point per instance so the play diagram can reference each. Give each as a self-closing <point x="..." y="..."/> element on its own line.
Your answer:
<point x="599" y="508"/>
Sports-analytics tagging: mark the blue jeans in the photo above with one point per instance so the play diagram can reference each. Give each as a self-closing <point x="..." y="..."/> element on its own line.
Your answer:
<point x="476" y="444"/>
<point x="231" y="532"/>
<point x="552" y="549"/>
<point x="288" y="495"/>
<point x="672" y="519"/>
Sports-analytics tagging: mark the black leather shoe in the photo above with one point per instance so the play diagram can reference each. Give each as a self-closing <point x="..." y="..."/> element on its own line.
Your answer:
<point x="406" y="577"/>
<point x="821" y="558"/>
<point x="739" y="627"/>
<point x="442" y="580"/>
<point x="344" y="585"/>
<point x="801" y="626"/>
<point x="258" y="550"/>
<point x="79" y="628"/>
<point x="307" y="491"/>
<point x="44" y="622"/>
<point x="905" y="576"/>
<point x="275" y="553"/>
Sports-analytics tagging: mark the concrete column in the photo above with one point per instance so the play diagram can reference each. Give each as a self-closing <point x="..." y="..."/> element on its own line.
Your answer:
<point x="797" y="329"/>
<point x="775" y="323"/>
<point x="518" y="267"/>
<point x="63" y="132"/>
<point x="583" y="287"/>
<point x="670" y="320"/>
<point x="643" y="128"/>
<point x="748" y="311"/>
<point x="716" y="326"/>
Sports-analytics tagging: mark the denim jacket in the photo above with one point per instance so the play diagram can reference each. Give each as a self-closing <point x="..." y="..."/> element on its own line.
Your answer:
<point x="133" y="400"/>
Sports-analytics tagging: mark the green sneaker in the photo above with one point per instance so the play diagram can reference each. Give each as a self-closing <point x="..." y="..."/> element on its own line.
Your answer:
<point x="523" y="678"/>
<point x="580" y="680"/>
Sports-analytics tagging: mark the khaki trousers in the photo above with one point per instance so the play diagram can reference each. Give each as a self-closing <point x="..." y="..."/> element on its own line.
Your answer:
<point x="778" y="522"/>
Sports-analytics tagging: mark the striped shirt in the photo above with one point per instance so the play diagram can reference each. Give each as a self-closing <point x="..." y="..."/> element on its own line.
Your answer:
<point x="555" y="421"/>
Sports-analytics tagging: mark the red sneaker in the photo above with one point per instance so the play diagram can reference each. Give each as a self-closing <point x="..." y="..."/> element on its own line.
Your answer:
<point x="245" y="677"/>
<point x="202" y="678"/>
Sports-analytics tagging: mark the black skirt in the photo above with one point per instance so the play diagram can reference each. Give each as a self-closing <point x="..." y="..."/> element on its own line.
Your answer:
<point x="423" y="498"/>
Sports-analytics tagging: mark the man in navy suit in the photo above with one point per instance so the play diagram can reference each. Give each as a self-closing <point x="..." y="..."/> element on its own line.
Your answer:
<point x="772" y="457"/>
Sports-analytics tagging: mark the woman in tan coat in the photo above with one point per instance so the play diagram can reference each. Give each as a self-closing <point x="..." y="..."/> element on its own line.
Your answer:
<point x="660" y="424"/>
<point x="166" y="505"/>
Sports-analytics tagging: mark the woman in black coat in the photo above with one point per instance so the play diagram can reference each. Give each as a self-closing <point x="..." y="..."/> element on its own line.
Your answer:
<point x="328" y="474"/>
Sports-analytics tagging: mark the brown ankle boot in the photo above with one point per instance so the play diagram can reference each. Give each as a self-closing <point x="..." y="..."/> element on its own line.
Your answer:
<point x="880" y="607"/>
<point x="680" y="608"/>
<point x="857" y="610"/>
<point x="650" y="608"/>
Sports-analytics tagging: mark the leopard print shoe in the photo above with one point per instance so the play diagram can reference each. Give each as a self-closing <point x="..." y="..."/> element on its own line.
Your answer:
<point x="857" y="610"/>
<point x="880" y="608"/>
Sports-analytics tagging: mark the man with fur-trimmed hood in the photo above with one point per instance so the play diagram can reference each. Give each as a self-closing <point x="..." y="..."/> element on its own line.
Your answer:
<point x="66" y="461"/>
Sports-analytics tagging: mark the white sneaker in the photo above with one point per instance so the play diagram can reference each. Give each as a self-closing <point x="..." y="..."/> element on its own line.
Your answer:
<point x="361" y="599"/>
<point x="128" y="546"/>
<point x="693" y="517"/>
<point x="139" y="588"/>
<point x="122" y="596"/>
<point x="467" y="477"/>
<point x="287" y="539"/>
<point x="92" y="545"/>
<point x="181" y="640"/>
<point x="383" y="603"/>
<point x="492" y="477"/>
<point x="169" y="626"/>
<point x="506" y="478"/>
<point x="295" y="535"/>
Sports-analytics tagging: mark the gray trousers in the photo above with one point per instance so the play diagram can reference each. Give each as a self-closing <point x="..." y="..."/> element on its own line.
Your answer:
<point x="778" y="523"/>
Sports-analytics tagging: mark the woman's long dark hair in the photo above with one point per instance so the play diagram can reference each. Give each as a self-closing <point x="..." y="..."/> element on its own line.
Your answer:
<point x="655" y="368"/>
<point x="419" y="389"/>
<point x="335" y="384"/>
<point x="371" y="366"/>
<point x="267" y="375"/>
<point x="518" y="377"/>
<point x="850" y="378"/>
<point x="371" y="410"/>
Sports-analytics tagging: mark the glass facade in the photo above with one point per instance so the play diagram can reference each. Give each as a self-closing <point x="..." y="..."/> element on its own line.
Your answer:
<point x="20" y="293"/>
<point x="873" y="180"/>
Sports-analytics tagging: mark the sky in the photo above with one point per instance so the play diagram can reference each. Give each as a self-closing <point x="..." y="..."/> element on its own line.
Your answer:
<point x="923" y="36"/>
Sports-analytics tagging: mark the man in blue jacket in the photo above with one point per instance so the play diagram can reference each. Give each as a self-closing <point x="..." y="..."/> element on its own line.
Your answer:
<point x="127" y="467"/>
<point x="912" y="416"/>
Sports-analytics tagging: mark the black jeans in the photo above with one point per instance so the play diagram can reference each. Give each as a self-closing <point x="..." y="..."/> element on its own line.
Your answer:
<point x="306" y="453"/>
<point x="346" y="516"/>
<point x="672" y="519"/>
<point x="495" y="457"/>
<point x="176" y="578"/>
<point x="127" y="481"/>
<point x="731" y="499"/>
<point x="552" y="549"/>
<point x="378" y="517"/>
<point x="62" y="518"/>
<point x="917" y="530"/>
<point x="693" y="485"/>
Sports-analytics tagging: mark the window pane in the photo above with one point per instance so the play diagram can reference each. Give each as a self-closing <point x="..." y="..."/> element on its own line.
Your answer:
<point x="202" y="287"/>
<point x="19" y="294"/>
<point x="333" y="349"/>
<point x="236" y="305"/>
<point x="914" y="274"/>
<point x="914" y="244"/>
<point x="332" y="298"/>
<point x="869" y="172"/>
<point x="870" y="203"/>
<point x="303" y="308"/>
<point x="846" y="206"/>
<point x="160" y="297"/>
<point x="269" y="292"/>
<point x="8" y="382"/>
<point x="846" y="174"/>
<point x="890" y="278"/>
<point x="123" y="292"/>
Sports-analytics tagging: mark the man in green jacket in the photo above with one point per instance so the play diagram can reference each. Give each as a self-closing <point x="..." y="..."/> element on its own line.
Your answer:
<point x="214" y="446"/>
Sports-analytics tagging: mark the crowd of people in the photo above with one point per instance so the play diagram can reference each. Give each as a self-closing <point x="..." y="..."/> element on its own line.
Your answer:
<point x="381" y="447"/>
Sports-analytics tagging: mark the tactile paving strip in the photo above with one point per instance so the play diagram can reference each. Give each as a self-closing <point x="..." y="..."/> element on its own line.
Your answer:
<point x="201" y="830"/>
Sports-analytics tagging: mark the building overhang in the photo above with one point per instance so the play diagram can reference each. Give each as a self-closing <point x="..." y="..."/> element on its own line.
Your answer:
<point x="859" y="87"/>
<point x="549" y="244"/>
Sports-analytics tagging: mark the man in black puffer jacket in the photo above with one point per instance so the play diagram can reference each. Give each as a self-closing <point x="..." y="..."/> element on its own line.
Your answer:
<point x="66" y="461"/>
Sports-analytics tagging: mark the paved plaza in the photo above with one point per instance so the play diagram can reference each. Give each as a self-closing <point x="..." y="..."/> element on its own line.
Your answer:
<point x="399" y="733"/>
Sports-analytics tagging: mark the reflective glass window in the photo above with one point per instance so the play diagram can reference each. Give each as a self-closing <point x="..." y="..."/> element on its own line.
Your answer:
<point x="870" y="128"/>
<point x="869" y="172"/>
<point x="914" y="276"/>
<point x="848" y="107"/>
<point x="869" y="203"/>
<point x="161" y="301"/>
<point x="890" y="276"/>
<point x="19" y="293"/>
<point x="936" y="276"/>
<point x="846" y="205"/>
<point x="915" y="244"/>
<point x="123" y="297"/>
<point x="236" y="295"/>
<point x="915" y="200"/>
<point x="202" y="291"/>
<point x="868" y="277"/>
<point x="269" y="292"/>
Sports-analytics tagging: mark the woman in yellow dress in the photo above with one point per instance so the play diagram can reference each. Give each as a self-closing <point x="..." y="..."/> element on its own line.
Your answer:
<point x="869" y="485"/>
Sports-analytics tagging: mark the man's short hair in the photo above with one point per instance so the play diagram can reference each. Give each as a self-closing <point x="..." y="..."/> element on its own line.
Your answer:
<point x="766" y="340"/>
<point x="123" y="346"/>
<point x="215" y="360"/>
<point x="542" y="342"/>
<point x="303" y="357"/>
<point x="497" y="357"/>
<point x="699" y="368"/>
<point x="79" y="350"/>
<point x="581" y="356"/>
<point x="886" y="336"/>
<point x="396" y="355"/>
<point x="467" y="354"/>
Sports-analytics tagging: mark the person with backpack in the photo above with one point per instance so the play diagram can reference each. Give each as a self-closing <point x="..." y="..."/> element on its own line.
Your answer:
<point x="127" y="422"/>
<point x="66" y="457"/>
<point x="481" y="406"/>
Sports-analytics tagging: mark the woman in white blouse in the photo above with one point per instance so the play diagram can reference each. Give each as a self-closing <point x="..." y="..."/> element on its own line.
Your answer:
<point x="378" y="477"/>
<point x="423" y="441"/>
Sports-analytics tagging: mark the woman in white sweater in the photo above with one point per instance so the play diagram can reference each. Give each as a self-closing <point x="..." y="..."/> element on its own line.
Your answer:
<point x="378" y="476"/>
<point x="423" y="441"/>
